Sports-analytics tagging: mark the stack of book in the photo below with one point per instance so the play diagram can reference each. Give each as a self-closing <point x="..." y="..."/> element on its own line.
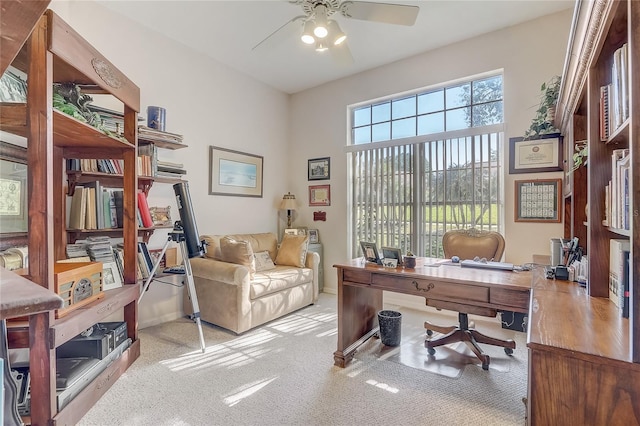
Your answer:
<point x="153" y="135"/>
<point x="170" y="170"/>
<point x="111" y="120"/>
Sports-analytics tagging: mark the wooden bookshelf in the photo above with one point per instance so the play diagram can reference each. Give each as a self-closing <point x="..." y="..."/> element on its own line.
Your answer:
<point x="55" y="53"/>
<point x="577" y="334"/>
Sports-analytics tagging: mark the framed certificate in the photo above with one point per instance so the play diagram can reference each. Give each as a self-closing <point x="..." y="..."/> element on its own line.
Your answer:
<point x="535" y="155"/>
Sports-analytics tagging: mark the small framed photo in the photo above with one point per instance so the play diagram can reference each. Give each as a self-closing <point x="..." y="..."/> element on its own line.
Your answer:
<point x="370" y="252"/>
<point x="319" y="168"/>
<point x="313" y="236"/>
<point x="320" y="195"/>
<point x="110" y="276"/>
<point x="295" y="231"/>
<point x="392" y="253"/>
<point x="390" y="263"/>
<point x="161" y="215"/>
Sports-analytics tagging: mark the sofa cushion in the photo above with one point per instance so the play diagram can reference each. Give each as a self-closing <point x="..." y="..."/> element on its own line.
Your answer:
<point x="278" y="279"/>
<point x="263" y="261"/>
<point x="259" y="242"/>
<point x="293" y="250"/>
<point x="238" y="252"/>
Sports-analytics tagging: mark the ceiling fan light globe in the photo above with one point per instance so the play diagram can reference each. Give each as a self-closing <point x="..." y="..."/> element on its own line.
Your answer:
<point x="321" y="47"/>
<point x="307" y="33"/>
<point x="320" y="31"/>
<point x="339" y="40"/>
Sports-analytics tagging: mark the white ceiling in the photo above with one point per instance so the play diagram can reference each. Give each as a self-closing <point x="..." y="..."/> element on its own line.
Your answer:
<point x="228" y="30"/>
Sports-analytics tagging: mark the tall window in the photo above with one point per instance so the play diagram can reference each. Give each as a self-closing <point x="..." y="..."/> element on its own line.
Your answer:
<point x="427" y="163"/>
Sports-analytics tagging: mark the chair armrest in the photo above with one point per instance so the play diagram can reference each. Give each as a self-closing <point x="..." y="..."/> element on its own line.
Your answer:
<point x="216" y="270"/>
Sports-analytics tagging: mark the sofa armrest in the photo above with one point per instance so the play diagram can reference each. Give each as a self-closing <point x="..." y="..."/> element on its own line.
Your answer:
<point x="313" y="262"/>
<point x="216" y="270"/>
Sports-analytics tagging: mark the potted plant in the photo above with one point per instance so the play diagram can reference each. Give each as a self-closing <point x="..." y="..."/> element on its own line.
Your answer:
<point x="409" y="260"/>
<point x="579" y="156"/>
<point x="542" y="123"/>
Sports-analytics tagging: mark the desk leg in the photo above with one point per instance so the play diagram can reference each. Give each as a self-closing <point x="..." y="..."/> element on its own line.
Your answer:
<point x="357" y="319"/>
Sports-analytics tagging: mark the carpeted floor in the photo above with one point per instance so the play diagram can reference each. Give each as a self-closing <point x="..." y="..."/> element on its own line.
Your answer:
<point x="283" y="374"/>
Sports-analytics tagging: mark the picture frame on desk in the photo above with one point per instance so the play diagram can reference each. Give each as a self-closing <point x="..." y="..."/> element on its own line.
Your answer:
<point x="370" y="252"/>
<point x="110" y="276"/>
<point x="392" y="253"/>
<point x="543" y="154"/>
<point x="538" y="200"/>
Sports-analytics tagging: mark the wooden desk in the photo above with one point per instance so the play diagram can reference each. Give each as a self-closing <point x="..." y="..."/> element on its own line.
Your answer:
<point x="580" y="367"/>
<point x="444" y="286"/>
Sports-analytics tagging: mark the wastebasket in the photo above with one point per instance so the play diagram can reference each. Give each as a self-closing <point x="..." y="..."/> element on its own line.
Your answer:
<point x="390" y="327"/>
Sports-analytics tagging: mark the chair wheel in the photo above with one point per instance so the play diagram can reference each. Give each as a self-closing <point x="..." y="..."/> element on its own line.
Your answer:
<point x="485" y="364"/>
<point x="508" y="351"/>
<point x="485" y="367"/>
<point x="429" y="332"/>
<point x="431" y="351"/>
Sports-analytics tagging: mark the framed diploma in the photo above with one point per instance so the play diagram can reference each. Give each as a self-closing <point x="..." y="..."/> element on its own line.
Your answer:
<point x="535" y="155"/>
<point x="538" y="200"/>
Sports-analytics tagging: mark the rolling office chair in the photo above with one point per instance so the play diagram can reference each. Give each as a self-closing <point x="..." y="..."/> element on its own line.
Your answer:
<point x="469" y="244"/>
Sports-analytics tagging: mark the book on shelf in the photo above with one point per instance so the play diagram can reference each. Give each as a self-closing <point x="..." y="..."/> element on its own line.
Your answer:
<point x="118" y="200"/>
<point x="145" y="213"/>
<point x="145" y="259"/>
<point x="96" y="205"/>
<point x="78" y="209"/>
<point x="617" y="247"/>
<point x="615" y="191"/>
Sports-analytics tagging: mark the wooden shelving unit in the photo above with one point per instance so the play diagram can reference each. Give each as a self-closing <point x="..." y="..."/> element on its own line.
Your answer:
<point x="577" y="334"/>
<point x="54" y="53"/>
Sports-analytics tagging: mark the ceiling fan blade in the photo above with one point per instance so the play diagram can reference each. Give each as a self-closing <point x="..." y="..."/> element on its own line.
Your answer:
<point x="284" y="32"/>
<point x="398" y="14"/>
<point x="341" y="54"/>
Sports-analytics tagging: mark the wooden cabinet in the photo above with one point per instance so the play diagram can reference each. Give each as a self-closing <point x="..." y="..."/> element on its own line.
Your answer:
<point x="577" y="335"/>
<point x="54" y="53"/>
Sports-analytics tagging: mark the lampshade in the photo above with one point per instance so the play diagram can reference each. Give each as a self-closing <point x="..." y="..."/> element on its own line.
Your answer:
<point x="321" y="46"/>
<point x="307" y="32"/>
<point x="335" y="33"/>
<point x="321" y="29"/>
<point x="288" y="202"/>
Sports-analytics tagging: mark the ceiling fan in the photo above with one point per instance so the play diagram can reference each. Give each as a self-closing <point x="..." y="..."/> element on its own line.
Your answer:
<point x="318" y="28"/>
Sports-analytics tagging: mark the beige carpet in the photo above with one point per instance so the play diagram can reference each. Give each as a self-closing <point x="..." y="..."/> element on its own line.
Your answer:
<point x="283" y="374"/>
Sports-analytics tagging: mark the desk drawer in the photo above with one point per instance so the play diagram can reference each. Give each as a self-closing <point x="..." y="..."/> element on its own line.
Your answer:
<point x="432" y="289"/>
<point x="356" y="276"/>
<point x="515" y="298"/>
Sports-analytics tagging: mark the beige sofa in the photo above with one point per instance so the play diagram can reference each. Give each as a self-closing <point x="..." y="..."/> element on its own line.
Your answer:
<point x="230" y="295"/>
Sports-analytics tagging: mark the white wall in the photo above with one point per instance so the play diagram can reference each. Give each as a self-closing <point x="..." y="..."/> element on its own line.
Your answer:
<point x="211" y="104"/>
<point x="208" y="103"/>
<point x="530" y="54"/>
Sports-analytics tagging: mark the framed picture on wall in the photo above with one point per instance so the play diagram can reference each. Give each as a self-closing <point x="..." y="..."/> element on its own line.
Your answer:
<point x="318" y="168"/>
<point x="234" y="173"/>
<point x="320" y="195"/>
<point x="538" y="200"/>
<point x="536" y="155"/>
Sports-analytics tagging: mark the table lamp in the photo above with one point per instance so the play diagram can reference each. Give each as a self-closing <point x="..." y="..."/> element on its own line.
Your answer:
<point x="288" y="203"/>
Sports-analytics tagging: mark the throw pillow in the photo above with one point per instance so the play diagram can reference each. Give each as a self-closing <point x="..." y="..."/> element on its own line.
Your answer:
<point x="238" y="252"/>
<point x="293" y="251"/>
<point x="263" y="261"/>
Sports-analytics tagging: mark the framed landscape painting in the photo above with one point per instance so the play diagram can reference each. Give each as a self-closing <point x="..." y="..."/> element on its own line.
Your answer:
<point x="234" y="173"/>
